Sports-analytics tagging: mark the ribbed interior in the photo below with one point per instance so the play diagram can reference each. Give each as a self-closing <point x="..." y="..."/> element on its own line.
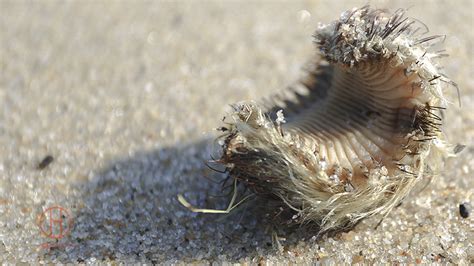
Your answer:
<point x="358" y="116"/>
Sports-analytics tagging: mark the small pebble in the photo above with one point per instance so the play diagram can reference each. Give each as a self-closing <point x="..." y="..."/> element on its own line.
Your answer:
<point x="464" y="209"/>
<point x="45" y="162"/>
<point x="459" y="148"/>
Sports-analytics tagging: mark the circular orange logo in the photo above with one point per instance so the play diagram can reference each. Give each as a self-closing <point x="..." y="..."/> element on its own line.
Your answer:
<point x="55" y="222"/>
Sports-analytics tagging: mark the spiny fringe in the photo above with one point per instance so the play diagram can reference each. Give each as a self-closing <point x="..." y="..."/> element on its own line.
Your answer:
<point x="297" y="178"/>
<point x="258" y="152"/>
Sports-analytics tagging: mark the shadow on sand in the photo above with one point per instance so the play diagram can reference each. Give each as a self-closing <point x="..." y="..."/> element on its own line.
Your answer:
<point x="129" y="212"/>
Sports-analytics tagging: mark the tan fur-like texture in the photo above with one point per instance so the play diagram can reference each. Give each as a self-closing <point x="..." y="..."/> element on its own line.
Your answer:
<point x="357" y="134"/>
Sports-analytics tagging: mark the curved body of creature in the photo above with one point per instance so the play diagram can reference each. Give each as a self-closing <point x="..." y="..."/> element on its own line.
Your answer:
<point x="354" y="136"/>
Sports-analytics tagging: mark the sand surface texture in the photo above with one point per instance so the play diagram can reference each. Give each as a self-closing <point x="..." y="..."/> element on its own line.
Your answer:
<point x="125" y="95"/>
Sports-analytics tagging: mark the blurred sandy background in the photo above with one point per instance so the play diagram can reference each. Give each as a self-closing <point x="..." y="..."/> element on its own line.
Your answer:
<point x="125" y="96"/>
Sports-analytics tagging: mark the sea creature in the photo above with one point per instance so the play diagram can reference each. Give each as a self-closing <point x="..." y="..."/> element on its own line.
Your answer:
<point x="357" y="134"/>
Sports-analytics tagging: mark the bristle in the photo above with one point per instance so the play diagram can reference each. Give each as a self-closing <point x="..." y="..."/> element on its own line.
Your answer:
<point x="353" y="137"/>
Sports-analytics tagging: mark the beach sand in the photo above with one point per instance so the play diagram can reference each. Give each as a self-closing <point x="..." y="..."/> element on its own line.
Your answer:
<point x="125" y="97"/>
